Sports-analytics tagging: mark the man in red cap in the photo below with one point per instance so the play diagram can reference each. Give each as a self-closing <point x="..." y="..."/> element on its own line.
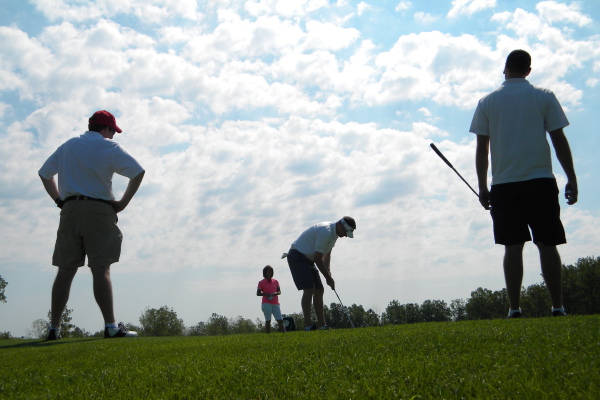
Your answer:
<point x="88" y="219"/>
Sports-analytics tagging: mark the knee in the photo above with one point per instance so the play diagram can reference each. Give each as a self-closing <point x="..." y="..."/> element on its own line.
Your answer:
<point x="66" y="273"/>
<point x="100" y="271"/>
<point x="514" y="249"/>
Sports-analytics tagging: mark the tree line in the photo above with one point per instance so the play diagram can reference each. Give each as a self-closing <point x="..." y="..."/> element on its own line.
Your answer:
<point x="581" y="287"/>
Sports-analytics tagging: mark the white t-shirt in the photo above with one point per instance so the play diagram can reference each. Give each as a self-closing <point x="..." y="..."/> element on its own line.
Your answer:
<point x="86" y="164"/>
<point x="320" y="237"/>
<point x="516" y="117"/>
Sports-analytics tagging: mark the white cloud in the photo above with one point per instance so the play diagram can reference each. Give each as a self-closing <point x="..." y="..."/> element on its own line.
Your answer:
<point x="403" y="6"/>
<point x="284" y="8"/>
<point x="425" y="111"/>
<point x="552" y="12"/>
<point x="362" y="7"/>
<point x="266" y="117"/>
<point x="425" y="18"/>
<point x="148" y="11"/>
<point x="469" y="7"/>
<point x="327" y="36"/>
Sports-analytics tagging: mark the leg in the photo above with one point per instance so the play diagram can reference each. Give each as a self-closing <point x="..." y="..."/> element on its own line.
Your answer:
<point x="268" y="326"/>
<point x="281" y="326"/>
<point x="278" y="317"/>
<point x="60" y="293"/>
<point x="319" y="309"/>
<point x="513" y="273"/>
<point x="552" y="272"/>
<point x="103" y="293"/>
<point x="307" y="299"/>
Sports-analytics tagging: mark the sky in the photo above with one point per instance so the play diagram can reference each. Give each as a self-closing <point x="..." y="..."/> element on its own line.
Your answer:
<point x="255" y="119"/>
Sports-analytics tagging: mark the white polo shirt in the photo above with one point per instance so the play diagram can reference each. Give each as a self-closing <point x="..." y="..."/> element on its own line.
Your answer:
<point x="516" y="117"/>
<point x="86" y="164"/>
<point x="320" y="237"/>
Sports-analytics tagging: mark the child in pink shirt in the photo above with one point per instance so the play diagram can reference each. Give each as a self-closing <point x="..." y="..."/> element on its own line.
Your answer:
<point x="269" y="289"/>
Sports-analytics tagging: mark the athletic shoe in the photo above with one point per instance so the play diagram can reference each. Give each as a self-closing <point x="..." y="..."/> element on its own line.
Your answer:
<point x="122" y="331"/>
<point x="53" y="334"/>
<point x="559" y="312"/>
<point x="310" y="328"/>
<point x="514" y="314"/>
<point x="324" y="328"/>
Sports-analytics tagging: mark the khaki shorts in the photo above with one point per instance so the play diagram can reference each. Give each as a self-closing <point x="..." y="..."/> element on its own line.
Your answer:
<point x="87" y="228"/>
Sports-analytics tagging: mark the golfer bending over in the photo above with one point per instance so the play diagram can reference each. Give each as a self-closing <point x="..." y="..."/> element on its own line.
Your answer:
<point x="269" y="289"/>
<point x="88" y="220"/>
<point x="512" y="122"/>
<point x="311" y="253"/>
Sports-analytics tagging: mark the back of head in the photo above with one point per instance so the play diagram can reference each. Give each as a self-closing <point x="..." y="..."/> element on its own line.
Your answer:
<point x="518" y="61"/>
<point x="103" y="119"/>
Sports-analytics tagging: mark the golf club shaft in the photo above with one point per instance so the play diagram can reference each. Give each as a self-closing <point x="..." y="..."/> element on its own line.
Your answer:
<point x="439" y="153"/>
<point x="346" y="311"/>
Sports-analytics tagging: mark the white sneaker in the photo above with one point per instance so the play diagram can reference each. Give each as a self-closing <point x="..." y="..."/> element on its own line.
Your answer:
<point x="121" y="331"/>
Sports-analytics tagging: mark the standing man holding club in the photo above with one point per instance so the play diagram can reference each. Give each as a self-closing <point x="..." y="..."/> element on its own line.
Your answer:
<point x="88" y="219"/>
<point x="511" y="122"/>
<point x="311" y="254"/>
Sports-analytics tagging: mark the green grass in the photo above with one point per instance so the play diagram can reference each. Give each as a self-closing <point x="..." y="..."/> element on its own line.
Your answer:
<point x="543" y="358"/>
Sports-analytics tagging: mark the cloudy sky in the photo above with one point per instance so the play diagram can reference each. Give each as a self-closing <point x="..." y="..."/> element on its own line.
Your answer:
<point x="255" y="119"/>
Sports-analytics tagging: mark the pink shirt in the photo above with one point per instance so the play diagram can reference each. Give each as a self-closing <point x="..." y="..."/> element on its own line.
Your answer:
<point x="269" y="287"/>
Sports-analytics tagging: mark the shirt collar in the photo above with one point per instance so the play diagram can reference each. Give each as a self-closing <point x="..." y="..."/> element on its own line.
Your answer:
<point x="513" y="81"/>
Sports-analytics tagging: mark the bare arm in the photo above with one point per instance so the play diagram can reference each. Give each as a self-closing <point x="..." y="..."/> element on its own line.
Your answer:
<point x="320" y="261"/>
<point x="50" y="186"/>
<point x="481" y="166"/>
<point x="132" y="187"/>
<point x="565" y="158"/>
<point x="259" y="292"/>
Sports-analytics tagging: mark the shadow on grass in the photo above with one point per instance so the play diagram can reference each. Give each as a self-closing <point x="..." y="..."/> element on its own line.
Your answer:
<point x="44" y="343"/>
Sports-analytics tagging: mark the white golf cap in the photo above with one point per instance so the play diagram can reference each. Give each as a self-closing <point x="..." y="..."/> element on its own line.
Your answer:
<point x="348" y="228"/>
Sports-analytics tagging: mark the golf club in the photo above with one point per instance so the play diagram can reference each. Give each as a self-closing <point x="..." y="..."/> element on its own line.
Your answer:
<point x="346" y="311"/>
<point x="439" y="153"/>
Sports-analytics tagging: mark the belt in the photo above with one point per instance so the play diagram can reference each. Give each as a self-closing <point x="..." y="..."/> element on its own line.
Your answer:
<point x="82" y="197"/>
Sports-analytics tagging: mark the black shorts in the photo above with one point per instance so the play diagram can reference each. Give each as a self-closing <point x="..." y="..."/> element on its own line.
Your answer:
<point x="305" y="273"/>
<point x="520" y="206"/>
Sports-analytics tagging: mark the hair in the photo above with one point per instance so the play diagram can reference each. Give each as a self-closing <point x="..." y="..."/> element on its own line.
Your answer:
<point x="350" y="221"/>
<point x="518" y="61"/>
<point x="268" y="268"/>
<point x="96" y="127"/>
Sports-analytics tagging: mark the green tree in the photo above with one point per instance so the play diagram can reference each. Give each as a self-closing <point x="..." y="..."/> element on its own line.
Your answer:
<point x="3" y="284"/>
<point x="242" y="325"/>
<point x="581" y="286"/>
<point x="458" y="309"/>
<point x="362" y="318"/>
<point x="197" y="330"/>
<point x="435" y="311"/>
<point x="535" y="301"/>
<point x="393" y="314"/>
<point x="217" y="325"/>
<point x="485" y="304"/>
<point x="67" y="329"/>
<point x="335" y="316"/>
<point x="161" y="322"/>
<point x="39" y="329"/>
<point x="396" y="313"/>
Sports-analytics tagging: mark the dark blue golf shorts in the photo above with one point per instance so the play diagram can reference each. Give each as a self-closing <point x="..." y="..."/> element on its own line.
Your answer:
<point x="518" y="207"/>
<point x="304" y="272"/>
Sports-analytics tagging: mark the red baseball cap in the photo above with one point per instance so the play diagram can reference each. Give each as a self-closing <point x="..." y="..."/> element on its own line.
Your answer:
<point x="105" y="118"/>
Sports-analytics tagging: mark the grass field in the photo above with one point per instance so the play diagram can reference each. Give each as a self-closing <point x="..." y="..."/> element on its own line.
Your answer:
<point x="543" y="358"/>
